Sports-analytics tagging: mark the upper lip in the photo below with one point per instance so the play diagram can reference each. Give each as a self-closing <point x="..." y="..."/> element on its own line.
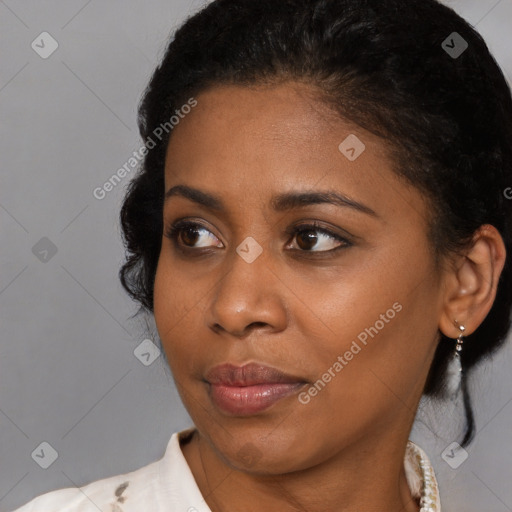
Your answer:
<point x="248" y="375"/>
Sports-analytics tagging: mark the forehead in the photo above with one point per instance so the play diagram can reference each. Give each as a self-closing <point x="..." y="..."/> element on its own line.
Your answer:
<point x="252" y="142"/>
<point x="265" y="123"/>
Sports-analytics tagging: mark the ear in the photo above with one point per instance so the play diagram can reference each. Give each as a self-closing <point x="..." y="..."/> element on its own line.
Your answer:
<point x="471" y="283"/>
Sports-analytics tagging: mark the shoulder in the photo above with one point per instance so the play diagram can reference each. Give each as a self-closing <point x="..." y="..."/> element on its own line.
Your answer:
<point x="108" y="494"/>
<point x="141" y="489"/>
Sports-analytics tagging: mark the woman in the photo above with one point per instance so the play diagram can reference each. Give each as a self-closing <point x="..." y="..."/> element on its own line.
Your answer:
<point x="320" y="227"/>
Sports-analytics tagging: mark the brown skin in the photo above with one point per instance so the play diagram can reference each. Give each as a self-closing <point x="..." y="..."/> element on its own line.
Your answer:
<point x="344" y="450"/>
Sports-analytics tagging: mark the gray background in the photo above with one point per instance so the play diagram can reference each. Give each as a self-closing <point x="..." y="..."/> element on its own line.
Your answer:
<point x="68" y="373"/>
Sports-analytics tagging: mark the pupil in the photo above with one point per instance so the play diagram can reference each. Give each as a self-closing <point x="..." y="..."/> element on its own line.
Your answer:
<point x="311" y="239"/>
<point x="187" y="232"/>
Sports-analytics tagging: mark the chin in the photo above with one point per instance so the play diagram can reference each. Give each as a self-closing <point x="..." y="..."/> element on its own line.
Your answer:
<point x="263" y="449"/>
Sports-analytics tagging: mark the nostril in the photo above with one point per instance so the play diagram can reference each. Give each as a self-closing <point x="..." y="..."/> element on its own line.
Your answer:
<point x="258" y="324"/>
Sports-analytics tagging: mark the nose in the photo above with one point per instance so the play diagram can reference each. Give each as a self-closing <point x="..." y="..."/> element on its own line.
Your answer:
<point x="249" y="296"/>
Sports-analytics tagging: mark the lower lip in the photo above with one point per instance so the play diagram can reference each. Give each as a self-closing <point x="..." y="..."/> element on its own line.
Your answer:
<point x="247" y="400"/>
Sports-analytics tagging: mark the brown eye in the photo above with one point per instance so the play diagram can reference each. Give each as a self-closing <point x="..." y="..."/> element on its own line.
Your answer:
<point x="306" y="239"/>
<point x="188" y="234"/>
<point x="313" y="236"/>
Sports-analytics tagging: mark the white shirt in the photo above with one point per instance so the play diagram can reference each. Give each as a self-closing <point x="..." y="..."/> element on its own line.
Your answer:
<point x="167" y="485"/>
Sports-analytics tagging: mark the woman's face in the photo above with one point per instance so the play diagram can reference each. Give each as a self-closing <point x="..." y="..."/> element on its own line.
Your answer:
<point x="346" y="309"/>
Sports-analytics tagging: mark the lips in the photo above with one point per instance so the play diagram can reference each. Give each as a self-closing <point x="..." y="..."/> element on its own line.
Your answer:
<point x="248" y="375"/>
<point x="249" y="389"/>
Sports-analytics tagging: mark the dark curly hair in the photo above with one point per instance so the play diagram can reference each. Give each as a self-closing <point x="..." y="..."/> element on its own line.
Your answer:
<point x="381" y="64"/>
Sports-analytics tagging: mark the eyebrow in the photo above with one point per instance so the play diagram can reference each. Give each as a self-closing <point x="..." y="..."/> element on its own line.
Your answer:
<point x="280" y="203"/>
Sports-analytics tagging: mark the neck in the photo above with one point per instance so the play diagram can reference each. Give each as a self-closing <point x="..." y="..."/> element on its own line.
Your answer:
<point x="367" y="475"/>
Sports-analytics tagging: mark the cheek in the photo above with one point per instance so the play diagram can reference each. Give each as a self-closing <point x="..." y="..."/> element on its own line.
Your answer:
<point x="385" y="302"/>
<point x="383" y="326"/>
<point x="165" y="299"/>
<point x="170" y="309"/>
<point x="180" y="298"/>
<point x="178" y="290"/>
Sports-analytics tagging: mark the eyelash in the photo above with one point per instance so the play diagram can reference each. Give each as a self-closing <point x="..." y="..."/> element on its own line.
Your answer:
<point x="175" y="229"/>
